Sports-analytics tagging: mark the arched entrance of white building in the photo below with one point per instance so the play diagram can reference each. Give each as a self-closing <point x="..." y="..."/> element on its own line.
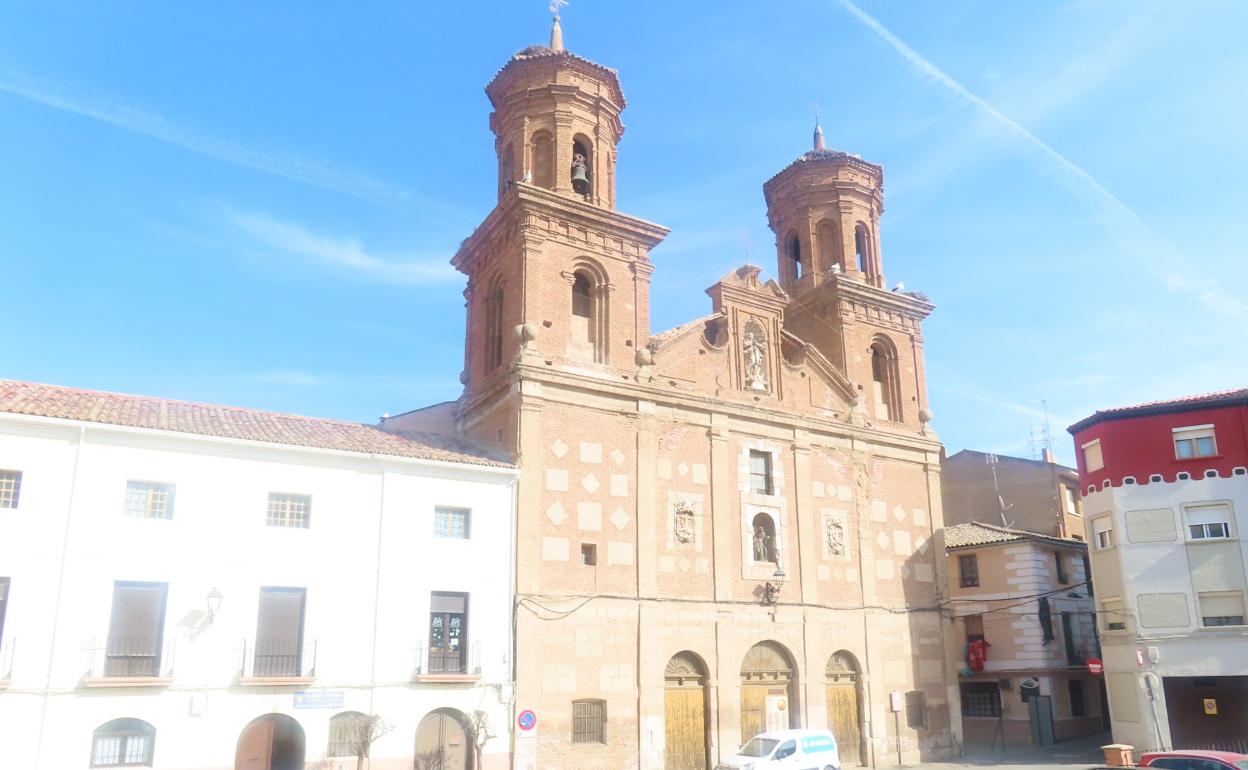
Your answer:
<point x="442" y="742"/>
<point x="844" y="690"/>
<point x="270" y="742"/>
<point x="684" y="713"/>
<point x="768" y="686"/>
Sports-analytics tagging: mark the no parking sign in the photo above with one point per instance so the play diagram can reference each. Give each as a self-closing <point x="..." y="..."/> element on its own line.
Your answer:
<point x="526" y="721"/>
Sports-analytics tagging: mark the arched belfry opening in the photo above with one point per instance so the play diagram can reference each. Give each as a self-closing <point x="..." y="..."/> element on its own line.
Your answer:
<point x="885" y="380"/>
<point x="506" y="169"/>
<point x="582" y="172"/>
<point x="843" y="678"/>
<point x="862" y="245"/>
<point x="829" y="237"/>
<point x="685" y="705"/>
<point x="542" y="159"/>
<point x="768" y="690"/>
<point x="795" y="258"/>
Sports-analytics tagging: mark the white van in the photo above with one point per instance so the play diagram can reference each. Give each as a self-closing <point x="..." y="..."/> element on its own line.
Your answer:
<point x="786" y="750"/>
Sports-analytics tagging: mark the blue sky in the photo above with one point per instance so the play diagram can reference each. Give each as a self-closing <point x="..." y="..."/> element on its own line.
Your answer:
<point x="254" y="203"/>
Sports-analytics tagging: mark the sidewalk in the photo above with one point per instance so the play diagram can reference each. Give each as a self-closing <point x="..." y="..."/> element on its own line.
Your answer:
<point x="1078" y="754"/>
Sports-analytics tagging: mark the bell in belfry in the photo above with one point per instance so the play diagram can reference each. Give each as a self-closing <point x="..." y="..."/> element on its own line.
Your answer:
<point x="580" y="176"/>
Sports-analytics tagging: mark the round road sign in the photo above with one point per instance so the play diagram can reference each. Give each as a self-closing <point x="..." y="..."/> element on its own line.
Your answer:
<point x="527" y="720"/>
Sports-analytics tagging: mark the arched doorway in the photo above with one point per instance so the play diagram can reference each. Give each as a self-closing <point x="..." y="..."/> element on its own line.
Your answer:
<point x="442" y="742"/>
<point x="684" y="713"/>
<point x="270" y="742"/>
<point x="768" y="682"/>
<point x="844" y="682"/>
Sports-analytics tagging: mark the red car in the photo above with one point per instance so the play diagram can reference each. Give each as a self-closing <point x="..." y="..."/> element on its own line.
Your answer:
<point x="1195" y="760"/>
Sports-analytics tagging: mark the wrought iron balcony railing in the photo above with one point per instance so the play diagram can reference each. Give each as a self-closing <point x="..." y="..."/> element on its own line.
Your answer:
<point x="277" y="659"/>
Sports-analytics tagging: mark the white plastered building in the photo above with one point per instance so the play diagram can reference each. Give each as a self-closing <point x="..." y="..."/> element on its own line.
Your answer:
<point x="193" y="586"/>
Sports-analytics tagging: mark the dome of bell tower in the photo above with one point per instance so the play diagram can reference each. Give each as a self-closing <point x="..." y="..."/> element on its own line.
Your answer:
<point x="556" y="121"/>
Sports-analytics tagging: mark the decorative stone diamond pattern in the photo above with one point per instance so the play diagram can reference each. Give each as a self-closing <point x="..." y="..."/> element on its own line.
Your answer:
<point x="559" y="449"/>
<point x="590" y="482"/>
<point x="882" y="541"/>
<point x="617" y="457"/>
<point x="684" y="565"/>
<point x="683" y="470"/>
<point x="556" y="514"/>
<point x="899" y="514"/>
<point x="619" y="519"/>
<point x="591" y="452"/>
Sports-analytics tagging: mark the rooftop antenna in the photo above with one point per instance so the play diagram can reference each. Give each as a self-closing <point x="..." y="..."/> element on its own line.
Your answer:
<point x="746" y="244"/>
<point x="991" y="459"/>
<point x="1040" y="440"/>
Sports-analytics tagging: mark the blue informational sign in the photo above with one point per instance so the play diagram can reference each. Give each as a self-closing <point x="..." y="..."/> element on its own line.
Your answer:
<point x="319" y="699"/>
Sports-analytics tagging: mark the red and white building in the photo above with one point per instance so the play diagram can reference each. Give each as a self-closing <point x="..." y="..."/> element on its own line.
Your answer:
<point x="1165" y="488"/>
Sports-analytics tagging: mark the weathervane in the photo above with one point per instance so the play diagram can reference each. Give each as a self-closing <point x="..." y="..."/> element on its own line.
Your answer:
<point x="557" y="5"/>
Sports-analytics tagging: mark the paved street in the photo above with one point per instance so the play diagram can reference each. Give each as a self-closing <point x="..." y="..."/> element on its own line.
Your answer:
<point x="1072" y="755"/>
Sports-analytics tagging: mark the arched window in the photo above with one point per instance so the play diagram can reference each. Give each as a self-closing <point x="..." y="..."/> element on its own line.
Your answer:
<point x="123" y="743"/>
<point x="764" y="545"/>
<point x="345" y="733"/>
<point x="494" y="326"/>
<point x="588" y="317"/>
<point x="885" y="381"/>
<point x="829" y="245"/>
<point x="543" y="151"/>
<point x="862" y="248"/>
<point x="582" y="171"/>
<point x="795" y="255"/>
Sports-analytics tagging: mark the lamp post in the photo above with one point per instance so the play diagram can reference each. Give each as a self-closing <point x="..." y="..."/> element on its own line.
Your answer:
<point x="213" y="600"/>
<point x="771" y="591"/>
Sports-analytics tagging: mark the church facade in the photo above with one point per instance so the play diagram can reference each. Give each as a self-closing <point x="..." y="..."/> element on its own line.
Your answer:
<point x="725" y="527"/>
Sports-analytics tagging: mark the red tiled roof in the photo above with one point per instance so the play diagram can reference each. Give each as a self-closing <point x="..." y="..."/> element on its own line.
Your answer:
<point x="1182" y="404"/>
<point x="234" y="422"/>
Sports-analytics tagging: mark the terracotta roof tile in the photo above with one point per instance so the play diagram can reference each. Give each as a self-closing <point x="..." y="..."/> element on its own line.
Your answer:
<point x="1181" y="404"/>
<point x="234" y="422"/>
<point x="975" y="533"/>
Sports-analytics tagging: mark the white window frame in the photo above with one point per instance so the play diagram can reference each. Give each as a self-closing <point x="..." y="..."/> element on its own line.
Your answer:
<point x="1095" y="445"/>
<point x="1106" y="543"/>
<point x="451" y="511"/>
<point x="1191" y="435"/>
<point x="1070" y="495"/>
<point x="151" y="491"/>
<point x="10" y="488"/>
<point x="1236" y="596"/>
<point x="1209" y="530"/>
<point x="288" y="510"/>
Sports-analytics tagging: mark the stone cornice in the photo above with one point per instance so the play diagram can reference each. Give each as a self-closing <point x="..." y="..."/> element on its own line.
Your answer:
<point x="538" y="58"/>
<point x="846" y="288"/>
<point x="777" y="416"/>
<point x="522" y="199"/>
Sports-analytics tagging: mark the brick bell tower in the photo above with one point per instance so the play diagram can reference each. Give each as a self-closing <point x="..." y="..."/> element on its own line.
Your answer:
<point x="825" y="209"/>
<point x="557" y="279"/>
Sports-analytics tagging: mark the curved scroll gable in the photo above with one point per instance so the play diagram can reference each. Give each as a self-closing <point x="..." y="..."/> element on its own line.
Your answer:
<point x="823" y="367"/>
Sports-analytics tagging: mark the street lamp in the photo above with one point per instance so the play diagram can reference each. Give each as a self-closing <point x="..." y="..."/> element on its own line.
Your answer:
<point x="214" y="603"/>
<point x="771" y="591"/>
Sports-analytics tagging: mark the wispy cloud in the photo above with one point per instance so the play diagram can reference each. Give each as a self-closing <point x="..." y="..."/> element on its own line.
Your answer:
<point x="1175" y="273"/>
<point x="349" y="254"/>
<point x="138" y="120"/>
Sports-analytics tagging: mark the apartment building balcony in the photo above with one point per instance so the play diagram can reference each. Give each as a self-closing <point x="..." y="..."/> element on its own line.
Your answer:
<point x="276" y="662"/>
<point x="130" y="661"/>
<point x="447" y="664"/>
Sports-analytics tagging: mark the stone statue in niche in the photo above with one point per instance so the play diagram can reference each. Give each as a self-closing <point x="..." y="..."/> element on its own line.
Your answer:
<point x="834" y="533"/>
<point x="755" y="344"/>
<point x="683" y="522"/>
<point x="762" y="544"/>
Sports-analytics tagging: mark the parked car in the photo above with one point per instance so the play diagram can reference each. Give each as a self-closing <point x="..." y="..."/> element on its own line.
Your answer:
<point x="786" y="750"/>
<point x="1195" y="760"/>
